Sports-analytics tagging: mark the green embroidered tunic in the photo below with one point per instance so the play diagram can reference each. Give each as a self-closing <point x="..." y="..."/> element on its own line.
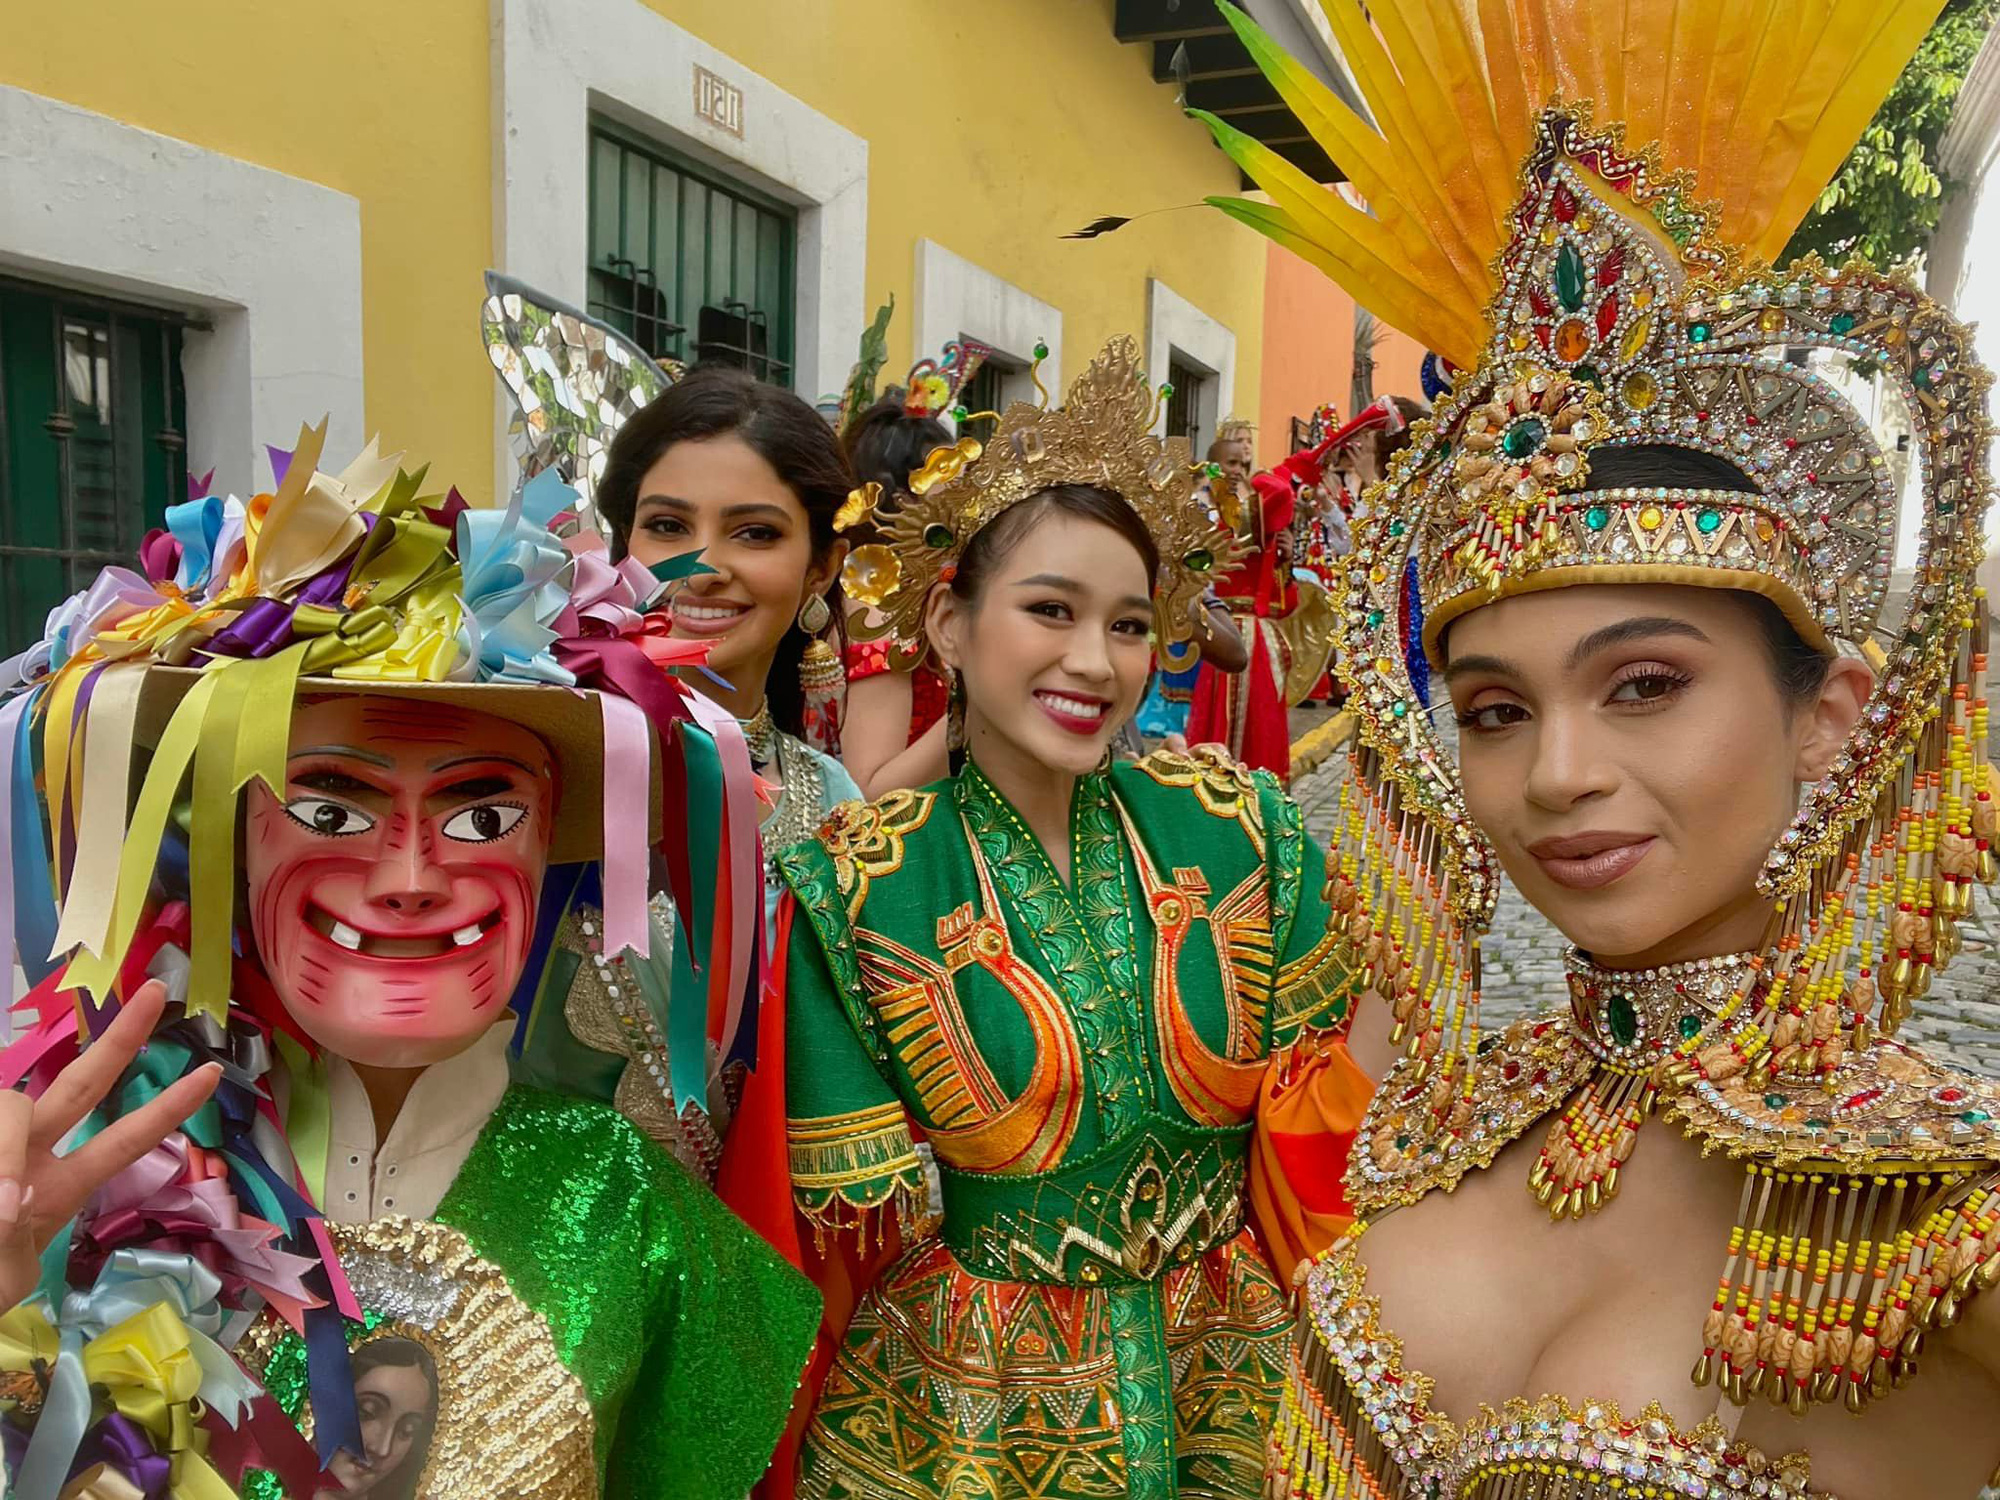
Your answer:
<point x="1084" y="1059"/>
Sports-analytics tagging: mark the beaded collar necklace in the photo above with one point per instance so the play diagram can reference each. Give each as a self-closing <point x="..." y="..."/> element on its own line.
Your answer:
<point x="1630" y="1022"/>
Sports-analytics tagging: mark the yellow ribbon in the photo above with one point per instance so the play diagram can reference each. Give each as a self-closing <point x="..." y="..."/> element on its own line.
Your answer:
<point x="147" y="1366"/>
<point x="95" y="971"/>
<point x="245" y="735"/>
<point x="107" y="773"/>
<point x="26" y="1336"/>
<point x="426" y="647"/>
<point x="101" y="1482"/>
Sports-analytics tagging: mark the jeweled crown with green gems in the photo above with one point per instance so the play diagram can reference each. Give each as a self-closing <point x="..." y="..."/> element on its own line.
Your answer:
<point x="1621" y="321"/>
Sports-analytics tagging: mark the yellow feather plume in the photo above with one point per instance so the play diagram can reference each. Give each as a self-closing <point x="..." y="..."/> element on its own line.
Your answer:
<point x="1759" y="99"/>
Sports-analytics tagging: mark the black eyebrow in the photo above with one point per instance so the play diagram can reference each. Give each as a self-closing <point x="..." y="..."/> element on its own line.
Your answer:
<point x="741" y="508"/>
<point x="1498" y="666"/>
<point x="1058" y="581"/>
<point x="1639" y="627"/>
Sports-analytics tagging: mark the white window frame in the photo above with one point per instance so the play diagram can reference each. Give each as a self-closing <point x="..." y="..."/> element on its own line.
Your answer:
<point x="1175" y="327"/>
<point x="272" y="263"/>
<point x="556" y="62"/>
<point x="956" y="299"/>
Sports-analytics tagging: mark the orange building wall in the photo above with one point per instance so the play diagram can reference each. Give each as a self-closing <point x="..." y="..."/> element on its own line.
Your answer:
<point x="1309" y="352"/>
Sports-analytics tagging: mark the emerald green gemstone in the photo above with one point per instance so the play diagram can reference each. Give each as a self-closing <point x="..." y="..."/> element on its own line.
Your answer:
<point x="1690" y="1027"/>
<point x="1698" y="333"/>
<point x="1200" y="560"/>
<point x="959" y="414"/>
<point x="1842" y="323"/>
<point x="1707" y="520"/>
<point x="1922" y="376"/>
<point x="937" y="535"/>
<point x="1374" y="619"/>
<point x="1402" y="1143"/>
<point x="1524" y="439"/>
<point x="1041" y="350"/>
<point x="1597" y="518"/>
<point x="1166" y="388"/>
<point x="1622" y="1019"/>
<point x="1774" y="1101"/>
<point x="1975" y="1117"/>
<point x="1587" y="373"/>
<point x="1816" y="1123"/>
<point x="1214" y="471"/>
<point x="1398" y="709"/>
<point x="1395" y="528"/>
<point x="1569" y="277"/>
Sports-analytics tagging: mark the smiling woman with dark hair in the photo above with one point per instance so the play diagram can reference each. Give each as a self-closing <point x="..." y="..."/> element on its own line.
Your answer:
<point x="1075" y="979"/>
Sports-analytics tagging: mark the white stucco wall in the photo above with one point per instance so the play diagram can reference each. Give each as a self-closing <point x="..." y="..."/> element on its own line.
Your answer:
<point x="271" y="261"/>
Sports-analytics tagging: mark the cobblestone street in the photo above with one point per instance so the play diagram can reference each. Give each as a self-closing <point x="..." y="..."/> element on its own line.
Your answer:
<point x="1522" y="956"/>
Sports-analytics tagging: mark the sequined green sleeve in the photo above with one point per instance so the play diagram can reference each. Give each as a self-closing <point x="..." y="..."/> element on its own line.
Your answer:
<point x="733" y="1325"/>
<point x="1315" y="983"/>
<point x="686" y="1331"/>
<point x="849" y="1136"/>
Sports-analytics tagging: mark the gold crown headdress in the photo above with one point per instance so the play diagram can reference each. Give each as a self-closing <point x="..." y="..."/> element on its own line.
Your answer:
<point x="1102" y="435"/>
<point x="1600" y="271"/>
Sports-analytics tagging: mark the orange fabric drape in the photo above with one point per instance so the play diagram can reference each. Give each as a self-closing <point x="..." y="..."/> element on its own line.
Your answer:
<point x="1308" y="1114"/>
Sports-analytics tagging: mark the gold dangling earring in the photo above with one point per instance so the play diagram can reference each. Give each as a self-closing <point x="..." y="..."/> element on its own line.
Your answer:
<point x="820" y="677"/>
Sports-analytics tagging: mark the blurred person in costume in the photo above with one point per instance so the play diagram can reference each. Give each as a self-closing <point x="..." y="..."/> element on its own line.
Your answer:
<point x="1652" y="541"/>
<point x="318" y="779"/>
<point x="894" y="727"/>
<point x="1286" y="622"/>
<point x="744" y="483"/>
<point x="1073" y="982"/>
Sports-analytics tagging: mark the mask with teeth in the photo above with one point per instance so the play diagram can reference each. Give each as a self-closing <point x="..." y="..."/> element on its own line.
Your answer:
<point x="393" y="887"/>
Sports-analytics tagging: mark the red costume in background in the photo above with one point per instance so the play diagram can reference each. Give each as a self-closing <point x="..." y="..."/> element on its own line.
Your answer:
<point x="1248" y="711"/>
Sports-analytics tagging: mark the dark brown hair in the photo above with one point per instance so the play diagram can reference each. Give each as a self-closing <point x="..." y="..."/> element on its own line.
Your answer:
<point x="991" y="544"/>
<point x="885" y="443"/>
<point x="716" y="401"/>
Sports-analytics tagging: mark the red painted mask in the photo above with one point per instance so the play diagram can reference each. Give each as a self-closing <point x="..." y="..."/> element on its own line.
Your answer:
<point x="393" y="888"/>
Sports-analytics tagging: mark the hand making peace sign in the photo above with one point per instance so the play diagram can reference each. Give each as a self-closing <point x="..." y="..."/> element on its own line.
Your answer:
<point x="41" y="1191"/>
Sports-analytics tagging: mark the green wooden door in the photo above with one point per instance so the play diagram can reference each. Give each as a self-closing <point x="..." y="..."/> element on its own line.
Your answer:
<point x="93" y="422"/>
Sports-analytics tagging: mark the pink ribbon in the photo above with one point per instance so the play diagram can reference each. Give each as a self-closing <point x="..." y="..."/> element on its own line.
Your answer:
<point x="628" y="763"/>
<point x="177" y="1191"/>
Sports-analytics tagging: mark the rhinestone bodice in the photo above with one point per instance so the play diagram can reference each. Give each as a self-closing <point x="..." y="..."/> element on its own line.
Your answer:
<point x="1355" y="1420"/>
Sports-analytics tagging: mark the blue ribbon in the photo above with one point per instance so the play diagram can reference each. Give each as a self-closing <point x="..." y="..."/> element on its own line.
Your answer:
<point x="196" y="525"/>
<point x="34" y="896"/>
<point x="60" y="1427"/>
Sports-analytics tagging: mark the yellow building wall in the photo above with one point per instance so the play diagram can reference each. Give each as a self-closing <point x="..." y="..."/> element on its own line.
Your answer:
<point x="991" y="130"/>
<point x="385" y="100"/>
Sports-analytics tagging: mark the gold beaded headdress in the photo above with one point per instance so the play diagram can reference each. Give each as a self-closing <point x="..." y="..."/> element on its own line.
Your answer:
<point x="1102" y="435"/>
<point x="1598" y="269"/>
